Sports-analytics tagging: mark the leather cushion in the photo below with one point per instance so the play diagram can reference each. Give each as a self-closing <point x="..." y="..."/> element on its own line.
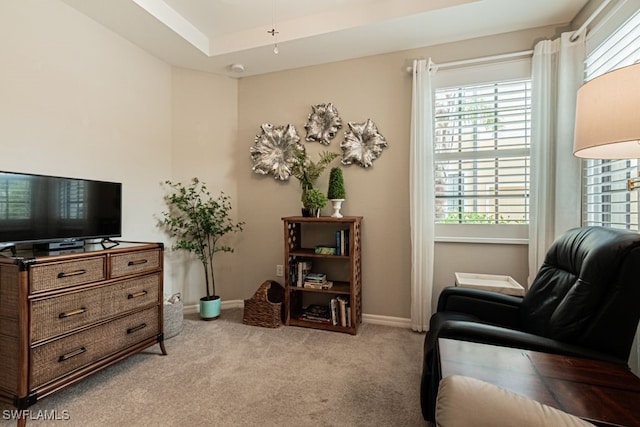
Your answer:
<point x="579" y="271"/>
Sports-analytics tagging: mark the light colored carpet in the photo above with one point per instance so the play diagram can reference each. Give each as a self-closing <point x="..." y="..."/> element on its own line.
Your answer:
<point x="224" y="373"/>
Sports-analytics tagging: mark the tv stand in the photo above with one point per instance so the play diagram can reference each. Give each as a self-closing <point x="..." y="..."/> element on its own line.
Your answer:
<point x="65" y="317"/>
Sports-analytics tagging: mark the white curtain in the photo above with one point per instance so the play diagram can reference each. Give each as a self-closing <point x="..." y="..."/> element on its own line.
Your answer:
<point x="557" y="73"/>
<point x="422" y="195"/>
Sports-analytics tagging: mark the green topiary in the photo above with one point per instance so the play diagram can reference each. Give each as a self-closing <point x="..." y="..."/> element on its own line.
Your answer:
<point x="314" y="199"/>
<point x="336" y="184"/>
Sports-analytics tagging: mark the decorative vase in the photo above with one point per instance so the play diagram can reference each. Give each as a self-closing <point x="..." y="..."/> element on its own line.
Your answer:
<point x="337" y="204"/>
<point x="210" y="307"/>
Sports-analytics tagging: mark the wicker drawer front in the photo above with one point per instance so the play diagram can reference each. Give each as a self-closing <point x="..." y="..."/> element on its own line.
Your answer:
<point x="9" y="284"/>
<point x="64" y="313"/>
<point x="10" y="361"/>
<point x="46" y="277"/>
<point x="134" y="262"/>
<point x="60" y="357"/>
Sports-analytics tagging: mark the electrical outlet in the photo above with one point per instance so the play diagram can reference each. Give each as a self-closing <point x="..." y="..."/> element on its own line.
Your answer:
<point x="279" y="270"/>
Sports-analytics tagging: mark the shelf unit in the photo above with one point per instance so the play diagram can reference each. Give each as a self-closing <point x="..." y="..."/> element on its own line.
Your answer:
<point x="301" y="235"/>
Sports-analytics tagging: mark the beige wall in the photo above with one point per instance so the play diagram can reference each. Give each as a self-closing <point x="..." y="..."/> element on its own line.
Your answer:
<point x="378" y="88"/>
<point x="77" y="100"/>
<point x="204" y="134"/>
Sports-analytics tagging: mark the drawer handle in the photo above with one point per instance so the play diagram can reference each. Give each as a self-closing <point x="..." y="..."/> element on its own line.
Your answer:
<point x="64" y="315"/>
<point x="137" y="262"/>
<point x="136" y="328"/>
<point x="137" y="294"/>
<point x="71" y="273"/>
<point x="71" y="354"/>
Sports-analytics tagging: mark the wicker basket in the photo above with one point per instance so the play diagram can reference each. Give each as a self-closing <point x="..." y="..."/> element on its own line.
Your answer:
<point x="265" y="307"/>
<point x="173" y="316"/>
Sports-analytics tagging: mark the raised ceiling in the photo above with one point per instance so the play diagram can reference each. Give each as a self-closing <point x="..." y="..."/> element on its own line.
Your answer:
<point x="211" y="35"/>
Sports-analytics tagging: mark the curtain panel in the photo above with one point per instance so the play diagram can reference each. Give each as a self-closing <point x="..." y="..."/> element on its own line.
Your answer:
<point x="422" y="195"/>
<point x="557" y="73"/>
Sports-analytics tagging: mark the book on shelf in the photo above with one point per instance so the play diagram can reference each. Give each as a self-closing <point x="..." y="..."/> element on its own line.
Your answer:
<point x="340" y="311"/>
<point x="325" y="250"/>
<point x="342" y="242"/>
<point x="316" y="313"/>
<point x="318" y="285"/>
<point x="335" y="318"/>
<point x="303" y="268"/>
<point x="315" y="277"/>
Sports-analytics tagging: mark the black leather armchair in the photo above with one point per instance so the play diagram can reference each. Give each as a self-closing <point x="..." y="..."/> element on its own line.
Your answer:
<point x="584" y="302"/>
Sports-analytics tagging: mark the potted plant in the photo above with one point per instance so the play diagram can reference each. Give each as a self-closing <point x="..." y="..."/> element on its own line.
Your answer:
<point x="307" y="172"/>
<point x="313" y="200"/>
<point x="335" y="192"/>
<point x="198" y="221"/>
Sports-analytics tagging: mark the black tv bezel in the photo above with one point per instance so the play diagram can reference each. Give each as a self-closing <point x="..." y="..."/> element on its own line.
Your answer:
<point x="9" y="243"/>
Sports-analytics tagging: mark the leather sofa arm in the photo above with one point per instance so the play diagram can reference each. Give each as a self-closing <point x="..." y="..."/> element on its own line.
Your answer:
<point x="490" y="307"/>
<point x="489" y="334"/>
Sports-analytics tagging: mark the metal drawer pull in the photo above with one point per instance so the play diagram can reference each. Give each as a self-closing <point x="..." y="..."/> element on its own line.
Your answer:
<point x="137" y="294"/>
<point x="71" y="354"/>
<point x="81" y="310"/>
<point x="136" y="328"/>
<point x="71" y="273"/>
<point x="137" y="262"/>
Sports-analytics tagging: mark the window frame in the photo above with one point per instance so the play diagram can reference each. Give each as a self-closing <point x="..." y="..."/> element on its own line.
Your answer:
<point x="502" y="71"/>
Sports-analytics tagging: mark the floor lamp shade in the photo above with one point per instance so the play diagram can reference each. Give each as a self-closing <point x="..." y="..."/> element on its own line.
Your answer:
<point x="608" y="116"/>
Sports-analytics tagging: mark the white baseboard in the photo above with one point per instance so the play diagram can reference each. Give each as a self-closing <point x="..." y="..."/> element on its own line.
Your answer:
<point x="374" y="319"/>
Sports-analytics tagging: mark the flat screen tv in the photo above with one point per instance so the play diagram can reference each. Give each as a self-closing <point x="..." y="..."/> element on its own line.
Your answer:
<point x="45" y="209"/>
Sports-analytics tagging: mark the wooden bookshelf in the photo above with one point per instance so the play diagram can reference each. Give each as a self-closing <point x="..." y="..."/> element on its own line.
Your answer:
<point x="301" y="236"/>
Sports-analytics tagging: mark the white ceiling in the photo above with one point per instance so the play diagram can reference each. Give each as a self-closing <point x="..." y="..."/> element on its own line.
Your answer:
<point x="210" y="35"/>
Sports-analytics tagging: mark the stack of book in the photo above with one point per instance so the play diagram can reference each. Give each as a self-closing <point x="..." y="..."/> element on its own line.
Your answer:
<point x="340" y="311"/>
<point x="317" y="281"/>
<point x="317" y="313"/>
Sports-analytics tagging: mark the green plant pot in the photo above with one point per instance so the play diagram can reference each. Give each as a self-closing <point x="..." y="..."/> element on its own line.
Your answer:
<point x="210" y="307"/>
<point x="307" y="212"/>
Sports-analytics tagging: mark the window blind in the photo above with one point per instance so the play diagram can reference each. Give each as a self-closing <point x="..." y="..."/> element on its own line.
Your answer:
<point x="606" y="201"/>
<point x="481" y="151"/>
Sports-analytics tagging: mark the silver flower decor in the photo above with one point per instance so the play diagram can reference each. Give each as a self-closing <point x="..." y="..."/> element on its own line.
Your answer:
<point x="323" y="123"/>
<point x="275" y="151"/>
<point x="362" y="144"/>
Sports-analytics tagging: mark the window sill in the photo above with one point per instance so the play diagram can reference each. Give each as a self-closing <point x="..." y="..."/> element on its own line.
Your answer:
<point x="483" y="240"/>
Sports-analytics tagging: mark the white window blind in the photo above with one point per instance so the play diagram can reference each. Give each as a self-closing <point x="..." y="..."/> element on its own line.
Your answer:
<point x="482" y="146"/>
<point x="606" y="201"/>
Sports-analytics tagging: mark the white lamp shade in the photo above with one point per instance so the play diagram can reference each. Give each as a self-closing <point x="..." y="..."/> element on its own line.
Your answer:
<point x="608" y="116"/>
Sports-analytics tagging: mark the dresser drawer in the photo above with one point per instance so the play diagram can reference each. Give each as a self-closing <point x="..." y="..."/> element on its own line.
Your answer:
<point x="57" y="275"/>
<point x="64" y="313"/>
<point x="60" y="357"/>
<point x="134" y="262"/>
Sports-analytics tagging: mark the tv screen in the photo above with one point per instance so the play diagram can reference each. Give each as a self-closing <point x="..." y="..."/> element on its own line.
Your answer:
<point x="40" y="208"/>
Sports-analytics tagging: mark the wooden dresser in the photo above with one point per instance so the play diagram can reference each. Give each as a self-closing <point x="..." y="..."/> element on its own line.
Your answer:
<point x="65" y="316"/>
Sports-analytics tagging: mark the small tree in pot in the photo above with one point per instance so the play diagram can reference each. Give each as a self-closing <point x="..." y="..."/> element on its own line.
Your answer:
<point x="335" y="192"/>
<point x="198" y="221"/>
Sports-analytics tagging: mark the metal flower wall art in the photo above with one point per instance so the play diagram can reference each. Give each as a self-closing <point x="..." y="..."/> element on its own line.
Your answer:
<point x="275" y="150"/>
<point x="323" y="123"/>
<point x="362" y="144"/>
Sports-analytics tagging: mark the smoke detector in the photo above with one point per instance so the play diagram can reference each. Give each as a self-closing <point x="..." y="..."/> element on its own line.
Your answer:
<point x="237" y="68"/>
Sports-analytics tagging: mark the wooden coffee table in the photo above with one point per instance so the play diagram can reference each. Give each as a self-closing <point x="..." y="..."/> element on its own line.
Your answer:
<point x="599" y="392"/>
